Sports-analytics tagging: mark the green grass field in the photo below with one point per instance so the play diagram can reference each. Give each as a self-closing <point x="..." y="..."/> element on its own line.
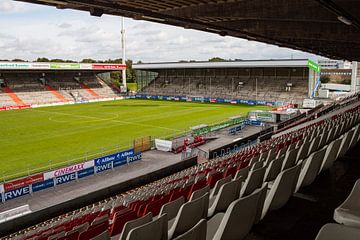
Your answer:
<point x="32" y="140"/>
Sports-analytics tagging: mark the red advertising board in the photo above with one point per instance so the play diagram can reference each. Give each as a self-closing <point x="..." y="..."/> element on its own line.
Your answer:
<point x="109" y="66"/>
<point x="7" y="108"/>
<point x="8" y="186"/>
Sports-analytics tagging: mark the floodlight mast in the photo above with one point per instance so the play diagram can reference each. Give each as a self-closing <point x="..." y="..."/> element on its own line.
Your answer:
<point x="123" y="52"/>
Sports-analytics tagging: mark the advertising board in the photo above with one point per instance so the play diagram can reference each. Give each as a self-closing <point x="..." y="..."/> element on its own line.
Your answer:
<point x="68" y="169"/>
<point x="8" y="186"/>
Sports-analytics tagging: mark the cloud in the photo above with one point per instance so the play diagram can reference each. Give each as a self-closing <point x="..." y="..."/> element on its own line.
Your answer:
<point x="65" y="25"/>
<point x="27" y="31"/>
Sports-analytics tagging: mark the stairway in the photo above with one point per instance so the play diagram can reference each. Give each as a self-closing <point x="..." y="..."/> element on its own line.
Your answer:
<point x="13" y="96"/>
<point x="56" y="93"/>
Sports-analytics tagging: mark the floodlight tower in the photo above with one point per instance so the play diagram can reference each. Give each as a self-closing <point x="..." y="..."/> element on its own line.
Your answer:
<point x="123" y="51"/>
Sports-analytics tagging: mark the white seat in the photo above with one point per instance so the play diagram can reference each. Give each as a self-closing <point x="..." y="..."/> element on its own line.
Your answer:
<point x="154" y="230"/>
<point x="332" y="231"/>
<point x="172" y="208"/>
<point x="330" y="155"/>
<point x="273" y="169"/>
<point x="189" y="215"/>
<point x="345" y="144"/>
<point x="254" y="181"/>
<point x="236" y="222"/>
<point x="291" y="158"/>
<point x="198" y="232"/>
<point x="310" y="169"/>
<point x="133" y="224"/>
<point x="348" y="213"/>
<point x="218" y="185"/>
<point x="281" y="190"/>
<point x="227" y="194"/>
<point x="199" y="193"/>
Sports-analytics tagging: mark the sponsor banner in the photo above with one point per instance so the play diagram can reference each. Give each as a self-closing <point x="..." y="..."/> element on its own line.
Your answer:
<point x="8" y="186"/>
<point x="109" y="66"/>
<point x="116" y="156"/>
<point x="69" y="169"/>
<point x="104" y="167"/>
<point x="40" y="65"/>
<point x="7" y="108"/>
<point x="85" y="66"/>
<point x="233" y="102"/>
<point x="42" y="185"/>
<point x="65" y="178"/>
<point x="64" y="66"/>
<point x="136" y="157"/>
<point x="163" y="145"/>
<point x="14" y="65"/>
<point x="86" y="172"/>
<point x="18" y="192"/>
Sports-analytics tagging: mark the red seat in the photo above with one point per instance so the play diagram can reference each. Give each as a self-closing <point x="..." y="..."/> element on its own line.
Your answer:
<point x="196" y="186"/>
<point x="214" y="178"/>
<point x="230" y="171"/>
<point x="119" y="221"/>
<point x="73" y="236"/>
<point x="93" y="231"/>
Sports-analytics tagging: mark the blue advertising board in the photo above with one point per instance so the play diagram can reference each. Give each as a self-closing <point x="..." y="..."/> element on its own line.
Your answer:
<point x="85" y="172"/>
<point x="42" y="185"/>
<point x="17" y="193"/>
<point x="113" y="160"/>
<point x="65" y="178"/>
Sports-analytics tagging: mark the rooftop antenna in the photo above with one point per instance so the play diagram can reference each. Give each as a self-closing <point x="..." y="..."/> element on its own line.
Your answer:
<point x="123" y="51"/>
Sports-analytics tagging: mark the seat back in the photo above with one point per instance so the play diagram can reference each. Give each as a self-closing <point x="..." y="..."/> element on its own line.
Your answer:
<point x="254" y="181"/>
<point x="227" y="194"/>
<point x="304" y="150"/>
<point x="290" y="159"/>
<point x="345" y="144"/>
<point x="282" y="189"/>
<point x="311" y="168"/>
<point x="355" y="137"/>
<point x="314" y="144"/>
<point x="119" y="221"/>
<point x="154" y="230"/>
<point x="133" y="224"/>
<point x="189" y="215"/>
<point x="273" y="170"/>
<point x="244" y="172"/>
<point x="172" y="208"/>
<point x="198" y="193"/>
<point x="260" y="207"/>
<point x="239" y="218"/>
<point x="102" y="236"/>
<point x="218" y="185"/>
<point x="331" y="153"/>
<point x="198" y="232"/>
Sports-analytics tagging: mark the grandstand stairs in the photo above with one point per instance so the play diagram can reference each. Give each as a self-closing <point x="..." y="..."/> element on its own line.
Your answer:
<point x="13" y="96"/>
<point x="89" y="90"/>
<point x="56" y="93"/>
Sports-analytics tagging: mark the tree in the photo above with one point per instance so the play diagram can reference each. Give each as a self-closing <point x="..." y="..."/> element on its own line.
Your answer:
<point x="42" y="59"/>
<point x="88" y="60"/>
<point x="216" y="59"/>
<point x="18" y="60"/>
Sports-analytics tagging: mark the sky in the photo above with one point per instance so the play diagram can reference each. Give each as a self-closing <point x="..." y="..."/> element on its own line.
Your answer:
<point x="29" y="31"/>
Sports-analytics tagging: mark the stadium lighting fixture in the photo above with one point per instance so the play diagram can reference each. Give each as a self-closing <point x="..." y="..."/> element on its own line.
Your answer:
<point x="344" y="20"/>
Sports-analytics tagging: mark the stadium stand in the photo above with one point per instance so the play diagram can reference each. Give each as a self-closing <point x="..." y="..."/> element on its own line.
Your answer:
<point x="30" y="88"/>
<point x="282" y="84"/>
<point x="240" y="199"/>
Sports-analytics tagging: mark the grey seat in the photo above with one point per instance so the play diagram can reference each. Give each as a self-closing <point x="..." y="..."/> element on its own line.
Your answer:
<point x="323" y="140"/>
<point x="244" y="172"/>
<point x="330" y="155"/>
<point x="254" y="181"/>
<point x="304" y="150"/>
<point x="257" y="165"/>
<point x="355" y="137"/>
<point x="172" y="208"/>
<point x="261" y="202"/>
<point x="189" y="215"/>
<point x="133" y="224"/>
<point x="103" y="236"/>
<point x="310" y="169"/>
<point x="199" y="193"/>
<point x="332" y="231"/>
<point x="348" y="213"/>
<point x="314" y="146"/>
<point x="154" y="230"/>
<point x="218" y="185"/>
<point x="273" y="169"/>
<point x="281" y="190"/>
<point x="236" y="222"/>
<point x="345" y="144"/>
<point x="198" y="232"/>
<point x="290" y="159"/>
<point x="227" y="194"/>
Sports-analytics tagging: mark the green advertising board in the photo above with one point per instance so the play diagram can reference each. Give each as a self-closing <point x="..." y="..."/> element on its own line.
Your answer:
<point x="314" y="66"/>
<point x="65" y="66"/>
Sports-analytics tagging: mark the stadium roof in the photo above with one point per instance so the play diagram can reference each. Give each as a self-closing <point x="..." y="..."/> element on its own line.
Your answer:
<point x="326" y="27"/>
<point x="229" y="64"/>
<point x="60" y="66"/>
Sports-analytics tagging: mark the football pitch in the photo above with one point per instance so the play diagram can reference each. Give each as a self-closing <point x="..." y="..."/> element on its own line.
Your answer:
<point x="34" y="140"/>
